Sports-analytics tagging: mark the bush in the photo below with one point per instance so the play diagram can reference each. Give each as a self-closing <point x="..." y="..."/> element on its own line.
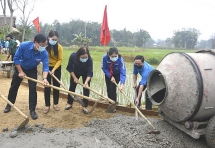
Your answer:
<point x="153" y="61"/>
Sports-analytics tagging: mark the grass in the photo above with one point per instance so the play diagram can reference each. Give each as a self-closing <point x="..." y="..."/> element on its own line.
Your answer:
<point x="128" y="54"/>
<point x="153" y="56"/>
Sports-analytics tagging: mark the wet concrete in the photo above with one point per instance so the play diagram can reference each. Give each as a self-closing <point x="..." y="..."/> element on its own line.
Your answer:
<point x="117" y="132"/>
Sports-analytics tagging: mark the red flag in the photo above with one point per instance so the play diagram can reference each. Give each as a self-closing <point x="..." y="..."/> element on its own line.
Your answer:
<point x="37" y="24"/>
<point x="105" y="33"/>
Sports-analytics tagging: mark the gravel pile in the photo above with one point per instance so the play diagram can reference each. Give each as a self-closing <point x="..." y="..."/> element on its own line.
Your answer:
<point x="117" y="132"/>
<point x="131" y="133"/>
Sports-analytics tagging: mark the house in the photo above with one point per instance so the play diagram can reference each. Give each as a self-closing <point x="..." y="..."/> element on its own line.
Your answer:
<point x="2" y="23"/>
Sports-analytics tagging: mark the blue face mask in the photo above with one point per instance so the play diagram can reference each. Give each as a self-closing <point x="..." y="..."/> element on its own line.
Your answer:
<point x="114" y="59"/>
<point x="52" y="42"/>
<point x="83" y="60"/>
<point x="41" y="49"/>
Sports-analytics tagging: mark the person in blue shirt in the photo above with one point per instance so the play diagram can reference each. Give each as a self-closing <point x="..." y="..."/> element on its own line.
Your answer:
<point x="144" y="69"/>
<point x="80" y="64"/>
<point x="6" y="46"/>
<point x="114" y="68"/>
<point x="26" y="59"/>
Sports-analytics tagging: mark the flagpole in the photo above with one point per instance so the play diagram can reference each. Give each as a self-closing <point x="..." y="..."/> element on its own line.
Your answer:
<point x="104" y="38"/>
<point x="103" y="76"/>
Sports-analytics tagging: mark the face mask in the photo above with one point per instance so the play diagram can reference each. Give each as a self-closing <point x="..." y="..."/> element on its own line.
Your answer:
<point x="41" y="49"/>
<point x="139" y="67"/>
<point x="113" y="59"/>
<point x="52" y="42"/>
<point x="83" y="60"/>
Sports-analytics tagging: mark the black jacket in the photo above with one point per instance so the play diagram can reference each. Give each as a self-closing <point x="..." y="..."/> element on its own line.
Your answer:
<point x="80" y="68"/>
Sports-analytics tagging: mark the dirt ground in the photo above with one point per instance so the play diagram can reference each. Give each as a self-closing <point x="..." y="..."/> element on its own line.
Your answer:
<point x="54" y="119"/>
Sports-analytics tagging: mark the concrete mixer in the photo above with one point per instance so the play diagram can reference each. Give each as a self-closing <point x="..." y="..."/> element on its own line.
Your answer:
<point x="183" y="88"/>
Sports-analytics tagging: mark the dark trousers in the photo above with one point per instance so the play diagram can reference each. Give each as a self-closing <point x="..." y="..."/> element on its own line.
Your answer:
<point x="72" y="88"/>
<point x="16" y="81"/>
<point x="47" y="90"/>
<point x="148" y="102"/>
<point x="12" y="56"/>
<point x="111" y="87"/>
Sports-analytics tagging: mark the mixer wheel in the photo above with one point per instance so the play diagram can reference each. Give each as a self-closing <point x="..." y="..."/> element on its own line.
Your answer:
<point x="210" y="132"/>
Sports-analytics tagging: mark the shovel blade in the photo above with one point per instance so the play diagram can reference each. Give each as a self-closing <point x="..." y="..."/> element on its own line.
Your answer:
<point x="79" y="100"/>
<point x="111" y="108"/>
<point x="93" y="107"/>
<point x="23" y="124"/>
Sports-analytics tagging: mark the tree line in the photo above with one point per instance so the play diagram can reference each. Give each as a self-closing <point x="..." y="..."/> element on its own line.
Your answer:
<point x="78" y="32"/>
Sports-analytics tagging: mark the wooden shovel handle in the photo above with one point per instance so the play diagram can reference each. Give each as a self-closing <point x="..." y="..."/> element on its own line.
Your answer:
<point x="60" y="89"/>
<point x="59" y="82"/>
<point x="135" y="107"/>
<point x="11" y="104"/>
<point x="104" y="97"/>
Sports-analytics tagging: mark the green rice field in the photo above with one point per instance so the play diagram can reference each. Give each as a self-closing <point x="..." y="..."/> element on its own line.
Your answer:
<point x="152" y="56"/>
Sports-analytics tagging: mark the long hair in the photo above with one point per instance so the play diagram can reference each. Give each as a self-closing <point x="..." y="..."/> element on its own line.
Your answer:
<point x="82" y="51"/>
<point x="54" y="47"/>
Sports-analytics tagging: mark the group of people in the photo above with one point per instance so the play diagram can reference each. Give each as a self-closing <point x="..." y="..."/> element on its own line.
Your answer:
<point x="80" y="64"/>
<point x="9" y="46"/>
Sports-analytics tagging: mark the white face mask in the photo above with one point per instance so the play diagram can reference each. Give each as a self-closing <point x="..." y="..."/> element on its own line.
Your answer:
<point x="41" y="49"/>
<point x="52" y="42"/>
<point x="83" y="60"/>
<point x="114" y="59"/>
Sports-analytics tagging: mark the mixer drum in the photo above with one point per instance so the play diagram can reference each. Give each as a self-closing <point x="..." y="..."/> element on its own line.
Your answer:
<point x="183" y="86"/>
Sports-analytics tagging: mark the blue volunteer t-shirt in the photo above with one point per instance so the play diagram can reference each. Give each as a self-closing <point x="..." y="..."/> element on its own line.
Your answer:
<point x="144" y="72"/>
<point x="28" y="58"/>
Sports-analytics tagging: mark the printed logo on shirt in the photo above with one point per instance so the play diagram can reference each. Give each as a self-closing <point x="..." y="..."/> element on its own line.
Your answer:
<point x="38" y="60"/>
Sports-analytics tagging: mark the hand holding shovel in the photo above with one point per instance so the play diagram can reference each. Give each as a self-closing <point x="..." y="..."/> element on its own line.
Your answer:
<point x="110" y="108"/>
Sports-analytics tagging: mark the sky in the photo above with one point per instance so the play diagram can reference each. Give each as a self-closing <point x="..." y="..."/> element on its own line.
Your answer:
<point x="159" y="17"/>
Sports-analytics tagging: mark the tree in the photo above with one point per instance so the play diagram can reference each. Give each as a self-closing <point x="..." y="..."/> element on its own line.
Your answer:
<point x="186" y="38"/>
<point x="141" y="37"/>
<point x="213" y="41"/>
<point x="4" y="29"/>
<point x="168" y="42"/>
<point x="3" y="5"/>
<point x="204" y="44"/>
<point x="10" y="5"/>
<point x="22" y="6"/>
<point x="86" y="41"/>
<point x="78" y="39"/>
<point x="145" y="36"/>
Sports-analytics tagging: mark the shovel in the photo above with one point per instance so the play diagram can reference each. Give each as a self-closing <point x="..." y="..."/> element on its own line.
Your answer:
<point x="60" y="89"/>
<point x="154" y="131"/>
<point x="80" y="101"/>
<point x="25" y="122"/>
<point x="110" y="108"/>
